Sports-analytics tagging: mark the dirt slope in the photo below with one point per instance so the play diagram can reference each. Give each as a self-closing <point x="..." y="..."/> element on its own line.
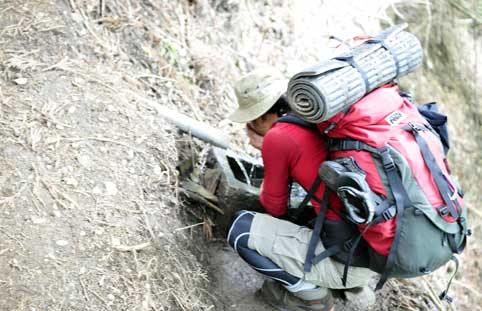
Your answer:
<point x="87" y="175"/>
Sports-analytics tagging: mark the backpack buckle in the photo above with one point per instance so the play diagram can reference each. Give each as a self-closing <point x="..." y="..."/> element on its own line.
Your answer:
<point x="387" y="160"/>
<point x="415" y="128"/>
<point x="446" y="297"/>
<point x="348" y="245"/>
<point x="443" y="211"/>
<point x="389" y="213"/>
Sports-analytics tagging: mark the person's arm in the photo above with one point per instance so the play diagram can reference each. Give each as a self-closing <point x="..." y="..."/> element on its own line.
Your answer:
<point x="279" y="153"/>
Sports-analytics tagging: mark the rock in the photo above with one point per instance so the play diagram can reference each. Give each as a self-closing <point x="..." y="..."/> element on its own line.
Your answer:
<point x="62" y="243"/>
<point x="361" y="298"/>
<point x="20" y="81"/>
<point x="97" y="190"/>
<point x="71" y="181"/>
<point x="110" y="188"/>
<point x="85" y="160"/>
<point x="38" y="220"/>
<point x="115" y="241"/>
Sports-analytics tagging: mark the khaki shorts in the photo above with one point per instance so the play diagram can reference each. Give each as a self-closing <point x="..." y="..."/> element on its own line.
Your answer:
<point x="286" y="244"/>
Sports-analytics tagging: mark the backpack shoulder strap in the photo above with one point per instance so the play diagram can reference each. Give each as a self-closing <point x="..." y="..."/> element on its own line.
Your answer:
<point x="294" y="119"/>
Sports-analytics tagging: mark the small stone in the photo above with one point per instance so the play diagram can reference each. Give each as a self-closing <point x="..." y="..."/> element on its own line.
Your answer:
<point x="110" y="188"/>
<point x="62" y="243"/>
<point x="20" y="81"/>
<point x="99" y="231"/>
<point x="110" y="297"/>
<point x="57" y="213"/>
<point x="157" y="170"/>
<point x="85" y="160"/>
<point x="82" y="270"/>
<point x="97" y="190"/>
<point x="82" y="233"/>
<point x="115" y="242"/>
<point x="38" y="220"/>
<point x="71" y="181"/>
<point x="130" y="154"/>
<point x="110" y="108"/>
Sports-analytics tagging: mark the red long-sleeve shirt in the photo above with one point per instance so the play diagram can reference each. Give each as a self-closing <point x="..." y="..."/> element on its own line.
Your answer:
<point x="290" y="150"/>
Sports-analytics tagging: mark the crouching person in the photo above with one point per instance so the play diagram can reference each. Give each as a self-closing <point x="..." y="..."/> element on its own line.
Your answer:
<point x="270" y="243"/>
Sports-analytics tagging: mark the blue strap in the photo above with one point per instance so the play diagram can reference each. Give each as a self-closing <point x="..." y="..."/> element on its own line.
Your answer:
<point x="437" y="174"/>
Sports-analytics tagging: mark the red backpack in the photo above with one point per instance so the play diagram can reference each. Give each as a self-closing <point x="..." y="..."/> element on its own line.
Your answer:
<point x="410" y="211"/>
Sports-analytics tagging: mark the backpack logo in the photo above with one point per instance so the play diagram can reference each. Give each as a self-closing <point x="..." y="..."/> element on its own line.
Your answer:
<point x="395" y="118"/>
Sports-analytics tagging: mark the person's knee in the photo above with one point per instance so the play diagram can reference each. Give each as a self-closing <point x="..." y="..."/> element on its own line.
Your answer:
<point x="240" y="227"/>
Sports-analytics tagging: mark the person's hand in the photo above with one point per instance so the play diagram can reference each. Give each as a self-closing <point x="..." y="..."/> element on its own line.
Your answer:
<point x="255" y="139"/>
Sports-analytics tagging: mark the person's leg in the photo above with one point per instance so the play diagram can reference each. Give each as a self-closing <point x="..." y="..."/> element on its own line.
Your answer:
<point x="238" y="237"/>
<point x="286" y="245"/>
<point x="283" y="290"/>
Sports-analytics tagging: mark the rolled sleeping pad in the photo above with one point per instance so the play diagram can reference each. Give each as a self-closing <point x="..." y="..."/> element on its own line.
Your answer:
<point x="318" y="93"/>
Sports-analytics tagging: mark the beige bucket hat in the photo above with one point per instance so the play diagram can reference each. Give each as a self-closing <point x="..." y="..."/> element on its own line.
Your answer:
<point x="257" y="92"/>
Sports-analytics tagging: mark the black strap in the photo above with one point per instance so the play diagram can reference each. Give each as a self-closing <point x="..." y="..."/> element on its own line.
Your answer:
<point x="330" y="251"/>
<point x="294" y="119"/>
<point x="451" y="237"/>
<point x="350" y="59"/>
<point x="315" y="236"/>
<point x="437" y="174"/>
<point x="398" y="191"/>
<point x="351" y="252"/>
<point x="401" y="202"/>
<point x="444" y="295"/>
<point x="389" y="49"/>
<point x="337" y="144"/>
<point x="311" y="194"/>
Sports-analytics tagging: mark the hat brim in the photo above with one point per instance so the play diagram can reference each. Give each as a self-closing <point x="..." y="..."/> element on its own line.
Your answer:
<point x="255" y="111"/>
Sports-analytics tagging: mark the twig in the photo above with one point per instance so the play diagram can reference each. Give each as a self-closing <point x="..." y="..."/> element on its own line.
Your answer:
<point x="463" y="9"/>
<point x="432" y="294"/>
<point x="202" y="200"/>
<point x="132" y="248"/>
<point x="104" y="305"/>
<point x="102" y="139"/>
<point x="475" y="211"/>
<point x="189" y="227"/>
<point x="13" y="238"/>
<point x="101" y="8"/>
<point x="83" y="289"/>
<point x="73" y="7"/>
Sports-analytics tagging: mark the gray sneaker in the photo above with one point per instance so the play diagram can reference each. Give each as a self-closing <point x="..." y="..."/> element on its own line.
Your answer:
<point x="318" y="299"/>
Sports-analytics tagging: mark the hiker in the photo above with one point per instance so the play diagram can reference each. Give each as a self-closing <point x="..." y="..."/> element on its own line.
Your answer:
<point x="270" y="243"/>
